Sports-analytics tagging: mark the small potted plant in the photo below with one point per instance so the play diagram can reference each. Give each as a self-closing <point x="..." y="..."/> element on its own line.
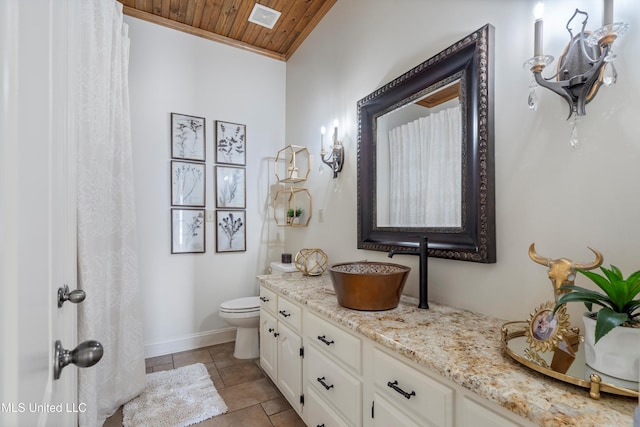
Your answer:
<point x="293" y="215"/>
<point x="615" y="327"/>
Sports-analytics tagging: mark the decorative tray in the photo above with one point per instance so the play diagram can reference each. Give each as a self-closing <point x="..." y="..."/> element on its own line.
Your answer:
<point x="516" y="346"/>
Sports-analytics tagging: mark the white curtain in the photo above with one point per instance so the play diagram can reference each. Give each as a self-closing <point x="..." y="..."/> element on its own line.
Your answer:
<point x="425" y="179"/>
<point x="107" y="249"/>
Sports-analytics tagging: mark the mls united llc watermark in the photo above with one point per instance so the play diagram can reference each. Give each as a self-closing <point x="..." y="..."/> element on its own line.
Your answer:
<point x="20" y="408"/>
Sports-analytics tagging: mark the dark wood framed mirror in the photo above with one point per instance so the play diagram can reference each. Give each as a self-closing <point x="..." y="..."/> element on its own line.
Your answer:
<point x="461" y="79"/>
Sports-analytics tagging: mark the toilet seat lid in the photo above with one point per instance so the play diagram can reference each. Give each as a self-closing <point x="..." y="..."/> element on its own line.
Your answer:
<point x="241" y="304"/>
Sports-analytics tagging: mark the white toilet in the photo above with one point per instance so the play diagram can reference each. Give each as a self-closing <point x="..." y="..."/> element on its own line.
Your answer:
<point x="244" y="314"/>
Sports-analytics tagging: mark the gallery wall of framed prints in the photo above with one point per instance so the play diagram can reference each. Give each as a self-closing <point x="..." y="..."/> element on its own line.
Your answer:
<point x="188" y="172"/>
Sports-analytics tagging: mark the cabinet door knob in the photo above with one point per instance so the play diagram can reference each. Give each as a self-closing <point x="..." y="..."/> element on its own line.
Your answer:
<point x="324" y="384"/>
<point x="271" y="330"/>
<point x="394" y="385"/>
<point x="275" y="335"/>
<point x="323" y="338"/>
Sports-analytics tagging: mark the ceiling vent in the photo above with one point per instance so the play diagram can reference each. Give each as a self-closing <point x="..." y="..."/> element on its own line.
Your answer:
<point x="264" y="16"/>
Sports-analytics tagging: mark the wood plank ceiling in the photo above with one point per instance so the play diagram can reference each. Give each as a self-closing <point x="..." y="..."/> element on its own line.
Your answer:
<point x="226" y="21"/>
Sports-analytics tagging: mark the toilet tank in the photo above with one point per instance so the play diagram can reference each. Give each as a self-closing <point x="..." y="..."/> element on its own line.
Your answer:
<point x="279" y="268"/>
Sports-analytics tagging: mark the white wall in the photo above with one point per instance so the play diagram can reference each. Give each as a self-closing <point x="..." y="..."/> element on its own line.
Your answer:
<point x="175" y="72"/>
<point x="546" y="192"/>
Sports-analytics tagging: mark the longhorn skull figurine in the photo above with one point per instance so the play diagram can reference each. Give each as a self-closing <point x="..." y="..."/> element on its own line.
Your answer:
<point x="562" y="271"/>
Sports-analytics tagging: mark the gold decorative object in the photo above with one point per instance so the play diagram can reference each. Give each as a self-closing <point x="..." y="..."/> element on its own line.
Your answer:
<point x="292" y="164"/>
<point x="292" y="207"/>
<point x="311" y="262"/>
<point x="546" y="328"/>
<point x="515" y="346"/>
<point x="562" y="271"/>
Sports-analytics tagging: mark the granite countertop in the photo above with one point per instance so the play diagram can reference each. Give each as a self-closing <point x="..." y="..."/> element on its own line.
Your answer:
<point x="464" y="347"/>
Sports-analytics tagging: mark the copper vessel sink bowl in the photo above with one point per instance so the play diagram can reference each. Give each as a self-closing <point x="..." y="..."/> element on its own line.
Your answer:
<point x="368" y="286"/>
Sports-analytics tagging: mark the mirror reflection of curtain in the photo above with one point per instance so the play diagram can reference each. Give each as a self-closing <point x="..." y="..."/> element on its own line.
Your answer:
<point x="426" y="171"/>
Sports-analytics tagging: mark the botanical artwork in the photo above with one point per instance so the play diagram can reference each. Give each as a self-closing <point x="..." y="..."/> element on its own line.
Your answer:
<point x="230" y="143"/>
<point x="231" y="231"/>
<point x="187" y="231"/>
<point x="230" y="187"/>
<point x="187" y="184"/>
<point x="187" y="137"/>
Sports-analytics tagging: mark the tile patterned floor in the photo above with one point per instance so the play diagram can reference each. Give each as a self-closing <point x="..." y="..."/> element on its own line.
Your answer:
<point x="251" y="397"/>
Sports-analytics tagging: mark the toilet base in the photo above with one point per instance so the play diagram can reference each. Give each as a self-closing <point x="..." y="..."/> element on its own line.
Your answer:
<point x="247" y="343"/>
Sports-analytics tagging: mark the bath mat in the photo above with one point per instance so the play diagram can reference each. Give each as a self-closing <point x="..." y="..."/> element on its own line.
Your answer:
<point x="177" y="398"/>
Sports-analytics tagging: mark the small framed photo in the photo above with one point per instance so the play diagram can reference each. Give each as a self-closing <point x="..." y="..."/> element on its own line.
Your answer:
<point x="187" y="231"/>
<point x="230" y="143"/>
<point x="547" y="329"/>
<point x="230" y="187"/>
<point x="231" y="231"/>
<point x="187" y="183"/>
<point x="188" y="137"/>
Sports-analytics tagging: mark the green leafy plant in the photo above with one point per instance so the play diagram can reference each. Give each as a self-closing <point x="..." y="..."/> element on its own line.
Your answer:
<point x="291" y="212"/>
<point x="619" y="302"/>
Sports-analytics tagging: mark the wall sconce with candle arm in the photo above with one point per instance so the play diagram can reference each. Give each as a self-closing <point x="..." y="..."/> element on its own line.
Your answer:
<point x="335" y="157"/>
<point x="583" y="67"/>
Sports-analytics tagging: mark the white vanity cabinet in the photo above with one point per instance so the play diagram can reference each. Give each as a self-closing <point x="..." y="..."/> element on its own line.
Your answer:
<point x="333" y="367"/>
<point x="281" y="344"/>
<point x="349" y="380"/>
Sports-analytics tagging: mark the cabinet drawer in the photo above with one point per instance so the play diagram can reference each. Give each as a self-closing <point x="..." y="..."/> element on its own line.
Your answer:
<point x="476" y="415"/>
<point x="333" y="340"/>
<point x="290" y="313"/>
<point x="385" y="414"/>
<point x="335" y="385"/>
<point x="268" y="299"/>
<point x="406" y="386"/>
<point x="318" y="413"/>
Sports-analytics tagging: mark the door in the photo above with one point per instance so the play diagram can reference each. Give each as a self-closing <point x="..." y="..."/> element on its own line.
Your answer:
<point x="37" y="212"/>
<point x="268" y="344"/>
<point x="290" y="366"/>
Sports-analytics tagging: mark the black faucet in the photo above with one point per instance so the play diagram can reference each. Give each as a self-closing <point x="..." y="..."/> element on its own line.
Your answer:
<point x="423" y="303"/>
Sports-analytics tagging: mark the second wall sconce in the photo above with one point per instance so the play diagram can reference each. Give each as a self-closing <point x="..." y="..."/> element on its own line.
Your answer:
<point x="585" y="64"/>
<point x="335" y="157"/>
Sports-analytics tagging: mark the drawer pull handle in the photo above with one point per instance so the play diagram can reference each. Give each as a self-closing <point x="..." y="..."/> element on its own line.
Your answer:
<point x="394" y="385"/>
<point x="264" y="299"/>
<point x="324" y="340"/>
<point x="284" y="313"/>
<point x="321" y="381"/>
<point x="320" y="425"/>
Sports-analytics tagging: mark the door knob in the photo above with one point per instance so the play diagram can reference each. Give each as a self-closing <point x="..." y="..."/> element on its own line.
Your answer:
<point x="84" y="355"/>
<point x="74" y="296"/>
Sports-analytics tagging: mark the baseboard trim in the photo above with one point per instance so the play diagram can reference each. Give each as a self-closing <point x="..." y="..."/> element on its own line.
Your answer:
<point x="189" y="342"/>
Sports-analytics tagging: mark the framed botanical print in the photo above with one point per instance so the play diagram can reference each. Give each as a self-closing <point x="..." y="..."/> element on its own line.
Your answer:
<point x="187" y="183"/>
<point x="230" y="143"/>
<point x="231" y="231"/>
<point x="187" y="231"/>
<point x="188" y="137"/>
<point x="230" y="187"/>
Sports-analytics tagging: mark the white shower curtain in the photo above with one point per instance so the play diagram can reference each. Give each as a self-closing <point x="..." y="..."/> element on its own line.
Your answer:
<point x="107" y="248"/>
<point x="425" y="179"/>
